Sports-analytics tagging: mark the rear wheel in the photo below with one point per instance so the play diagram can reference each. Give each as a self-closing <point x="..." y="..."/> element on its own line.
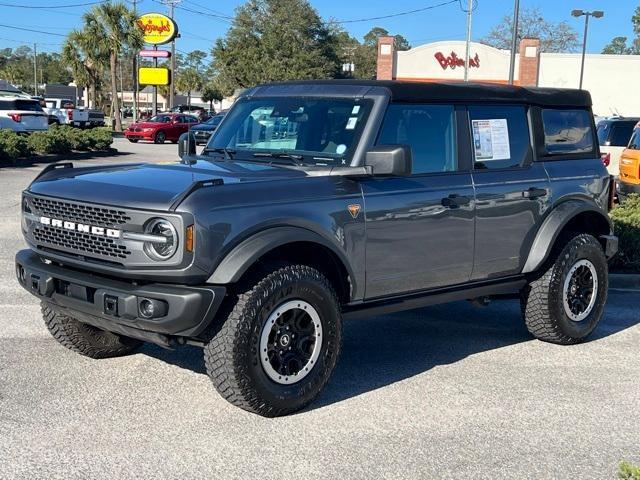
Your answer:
<point x="566" y="303"/>
<point x="160" y="137"/>
<point x="279" y="344"/>
<point x="86" y="339"/>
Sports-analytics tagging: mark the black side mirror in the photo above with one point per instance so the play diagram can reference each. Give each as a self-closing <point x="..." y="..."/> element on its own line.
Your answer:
<point x="390" y="160"/>
<point x="186" y="145"/>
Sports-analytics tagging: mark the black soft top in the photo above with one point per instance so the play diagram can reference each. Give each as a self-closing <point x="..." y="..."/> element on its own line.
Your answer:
<point x="414" y="92"/>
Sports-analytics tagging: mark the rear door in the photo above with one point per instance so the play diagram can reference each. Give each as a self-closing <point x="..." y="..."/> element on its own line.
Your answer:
<point x="630" y="160"/>
<point x="512" y="191"/>
<point x="420" y="228"/>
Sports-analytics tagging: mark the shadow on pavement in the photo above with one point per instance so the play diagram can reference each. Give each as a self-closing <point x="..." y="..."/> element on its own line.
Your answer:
<point x="383" y="350"/>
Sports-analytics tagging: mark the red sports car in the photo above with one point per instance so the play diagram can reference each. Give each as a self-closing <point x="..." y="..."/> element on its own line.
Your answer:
<point x="161" y="127"/>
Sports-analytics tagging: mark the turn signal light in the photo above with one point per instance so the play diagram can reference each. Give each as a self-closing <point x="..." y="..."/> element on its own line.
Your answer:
<point x="16" y="117"/>
<point x="189" y="239"/>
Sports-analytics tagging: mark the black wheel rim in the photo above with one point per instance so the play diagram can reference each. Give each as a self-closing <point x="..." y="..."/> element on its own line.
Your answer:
<point x="580" y="290"/>
<point x="290" y="342"/>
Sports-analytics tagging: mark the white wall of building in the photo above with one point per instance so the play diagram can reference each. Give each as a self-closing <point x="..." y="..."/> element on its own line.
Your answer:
<point x="611" y="79"/>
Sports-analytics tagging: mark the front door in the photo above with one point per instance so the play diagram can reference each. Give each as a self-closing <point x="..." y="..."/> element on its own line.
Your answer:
<point x="512" y="191"/>
<point x="420" y="228"/>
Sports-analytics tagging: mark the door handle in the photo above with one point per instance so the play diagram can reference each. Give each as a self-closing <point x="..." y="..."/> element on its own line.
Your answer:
<point x="534" y="192"/>
<point x="455" y="201"/>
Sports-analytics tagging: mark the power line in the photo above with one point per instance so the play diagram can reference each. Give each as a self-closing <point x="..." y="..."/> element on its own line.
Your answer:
<point x="44" y="7"/>
<point x="399" y="14"/>
<point x="31" y="30"/>
<point x="224" y="18"/>
<point x="209" y="9"/>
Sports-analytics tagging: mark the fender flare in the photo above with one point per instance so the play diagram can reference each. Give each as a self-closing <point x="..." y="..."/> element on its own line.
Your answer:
<point x="246" y="253"/>
<point x="548" y="233"/>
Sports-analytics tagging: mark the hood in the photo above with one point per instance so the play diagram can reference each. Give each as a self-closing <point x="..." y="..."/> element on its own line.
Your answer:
<point x="149" y="186"/>
<point x="204" y="127"/>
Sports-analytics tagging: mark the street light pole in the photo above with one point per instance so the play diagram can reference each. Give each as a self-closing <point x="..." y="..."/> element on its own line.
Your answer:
<point x="580" y="13"/>
<point x="514" y="41"/>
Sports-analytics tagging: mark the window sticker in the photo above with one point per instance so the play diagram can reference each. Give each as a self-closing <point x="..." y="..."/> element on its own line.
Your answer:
<point x="356" y="110"/>
<point x="351" y="124"/>
<point x="491" y="139"/>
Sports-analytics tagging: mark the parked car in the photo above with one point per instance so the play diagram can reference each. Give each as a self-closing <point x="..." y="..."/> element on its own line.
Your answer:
<point x="381" y="197"/>
<point x="204" y="130"/>
<point x="613" y="136"/>
<point x="22" y="114"/>
<point x="160" y="128"/>
<point x="629" y="180"/>
<point x="200" y="112"/>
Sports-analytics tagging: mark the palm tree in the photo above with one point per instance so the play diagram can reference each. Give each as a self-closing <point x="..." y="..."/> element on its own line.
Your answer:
<point x="80" y="54"/>
<point x="113" y="27"/>
<point x="189" y="80"/>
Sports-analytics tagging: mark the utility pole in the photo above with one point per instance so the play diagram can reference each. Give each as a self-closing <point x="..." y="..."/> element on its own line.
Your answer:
<point x="35" y="69"/>
<point x="467" y="55"/>
<point x="172" y="90"/>
<point x="514" y="40"/>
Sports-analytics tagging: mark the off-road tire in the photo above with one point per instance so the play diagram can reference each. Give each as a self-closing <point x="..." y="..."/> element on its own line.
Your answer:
<point x="86" y="339"/>
<point x="232" y="355"/>
<point x="542" y="300"/>
<point x="160" y="137"/>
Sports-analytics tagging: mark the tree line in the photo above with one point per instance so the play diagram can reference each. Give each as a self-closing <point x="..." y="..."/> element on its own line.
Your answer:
<point x="268" y="40"/>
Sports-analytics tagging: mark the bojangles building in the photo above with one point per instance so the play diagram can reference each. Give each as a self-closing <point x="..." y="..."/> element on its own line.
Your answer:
<point x="611" y="79"/>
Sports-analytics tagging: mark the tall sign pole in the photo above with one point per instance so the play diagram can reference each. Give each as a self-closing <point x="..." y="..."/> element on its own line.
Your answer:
<point x="35" y="70"/>
<point x="135" y="74"/>
<point x="172" y="90"/>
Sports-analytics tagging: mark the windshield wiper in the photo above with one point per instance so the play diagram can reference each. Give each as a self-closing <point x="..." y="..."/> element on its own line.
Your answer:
<point x="295" y="158"/>
<point x="229" y="153"/>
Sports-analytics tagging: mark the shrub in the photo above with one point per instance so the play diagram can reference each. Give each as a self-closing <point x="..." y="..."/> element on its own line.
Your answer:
<point x="626" y="471"/>
<point x="12" y="145"/>
<point x="49" y="142"/>
<point x="101" y="138"/>
<point x="626" y="223"/>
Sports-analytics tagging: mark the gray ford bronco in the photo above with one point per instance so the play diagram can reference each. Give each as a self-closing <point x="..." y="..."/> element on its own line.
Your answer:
<point x="316" y="202"/>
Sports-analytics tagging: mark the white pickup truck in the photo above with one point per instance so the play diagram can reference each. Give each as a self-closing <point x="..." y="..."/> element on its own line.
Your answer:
<point x="64" y="112"/>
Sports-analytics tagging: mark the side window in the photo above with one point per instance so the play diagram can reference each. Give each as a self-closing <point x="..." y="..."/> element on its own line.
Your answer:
<point x="500" y="136"/>
<point x="430" y="131"/>
<point x="620" y="133"/>
<point x="567" y="131"/>
<point x="634" y="143"/>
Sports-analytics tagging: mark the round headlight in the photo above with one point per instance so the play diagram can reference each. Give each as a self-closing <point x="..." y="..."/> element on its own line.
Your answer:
<point x="165" y="249"/>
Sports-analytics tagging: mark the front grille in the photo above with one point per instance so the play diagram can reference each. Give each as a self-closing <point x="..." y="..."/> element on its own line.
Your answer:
<point x="98" y="216"/>
<point x="77" y="242"/>
<point x="81" y="242"/>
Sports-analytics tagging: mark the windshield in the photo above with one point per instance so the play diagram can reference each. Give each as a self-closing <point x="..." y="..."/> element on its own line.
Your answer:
<point x="214" y="120"/>
<point x="160" y="119"/>
<point x="315" y="130"/>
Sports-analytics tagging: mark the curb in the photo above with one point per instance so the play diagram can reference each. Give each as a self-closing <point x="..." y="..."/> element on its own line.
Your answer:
<point x="624" y="280"/>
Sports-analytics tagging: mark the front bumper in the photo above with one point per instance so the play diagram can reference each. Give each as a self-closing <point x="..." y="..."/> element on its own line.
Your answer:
<point x="138" y="135"/>
<point x="114" y="305"/>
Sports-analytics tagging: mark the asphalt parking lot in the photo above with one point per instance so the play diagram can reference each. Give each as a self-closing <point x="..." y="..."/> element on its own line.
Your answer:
<point x="452" y="391"/>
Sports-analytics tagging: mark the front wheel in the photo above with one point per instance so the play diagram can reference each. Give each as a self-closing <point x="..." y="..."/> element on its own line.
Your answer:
<point x="160" y="137"/>
<point x="279" y="344"/>
<point x="86" y="339"/>
<point x="133" y="140"/>
<point x="566" y="303"/>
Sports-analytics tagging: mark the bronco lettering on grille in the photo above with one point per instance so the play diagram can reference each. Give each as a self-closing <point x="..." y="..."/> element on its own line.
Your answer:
<point x="80" y="227"/>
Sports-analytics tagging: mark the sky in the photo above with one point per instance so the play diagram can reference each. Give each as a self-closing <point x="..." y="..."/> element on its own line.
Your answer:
<point x="200" y="24"/>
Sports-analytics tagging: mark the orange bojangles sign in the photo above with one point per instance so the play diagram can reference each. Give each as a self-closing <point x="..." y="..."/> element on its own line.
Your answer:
<point x="157" y="28"/>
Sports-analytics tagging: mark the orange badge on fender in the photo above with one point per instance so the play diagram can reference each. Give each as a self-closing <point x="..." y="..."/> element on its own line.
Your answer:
<point x="354" y="210"/>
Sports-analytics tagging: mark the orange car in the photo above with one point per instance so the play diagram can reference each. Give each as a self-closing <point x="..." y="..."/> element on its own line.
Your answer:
<point x="629" y="180"/>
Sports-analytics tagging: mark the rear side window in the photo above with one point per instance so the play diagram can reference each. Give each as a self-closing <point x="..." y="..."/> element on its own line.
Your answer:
<point x="500" y="136"/>
<point x="621" y="133"/>
<point x="634" y="143"/>
<point x="567" y="132"/>
<point x="28" y="105"/>
<point x="430" y="132"/>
